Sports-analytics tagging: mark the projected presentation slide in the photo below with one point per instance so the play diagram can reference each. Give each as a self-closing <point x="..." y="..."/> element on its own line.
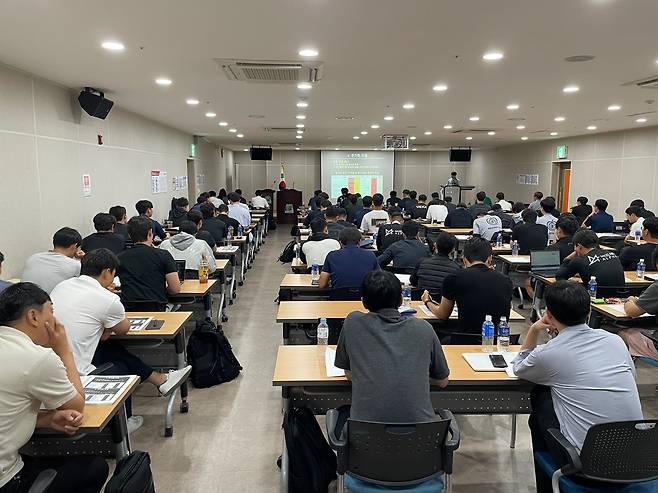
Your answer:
<point x="361" y="172"/>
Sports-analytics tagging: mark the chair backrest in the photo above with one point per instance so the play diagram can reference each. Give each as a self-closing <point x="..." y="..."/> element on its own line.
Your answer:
<point x="345" y="294"/>
<point x="396" y="454"/>
<point x="621" y="452"/>
<point x="620" y="291"/>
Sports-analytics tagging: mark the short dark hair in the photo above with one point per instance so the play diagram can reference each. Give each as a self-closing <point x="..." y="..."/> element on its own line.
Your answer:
<point x="143" y="205"/>
<point x="601" y="204"/>
<point x="412" y="194"/>
<point x="582" y="200"/>
<point x="453" y="173"/>
<point x="118" y="211"/>
<point x="325" y="195"/>
<point x="548" y="205"/>
<point x="496" y="207"/>
<point x="518" y="207"/>
<point x="638" y="202"/>
<point x="349" y="236"/>
<point x="66" y="237"/>
<point x="393" y="193"/>
<point x="422" y="197"/>
<point x="568" y="302"/>
<point x="529" y="216"/>
<point x="331" y="212"/>
<point x="341" y="211"/>
<point x="233" y="197"/>
<point x="353" y="198"/>
<point x="104" y="221"/>
<point x="406" y="190"/>
<point x="317" y="225"/>
<point x="410" y="229"/>
<point x="188" y="227"/>
<point x="445" y="243"/>
<point x="344" y="190"/>
<point x="257" y="193"/>
<point x="202" y="198"/>
<point x="207" y="209"/>
<point x="538" y="195"/>
<point x="2" y="258"/>
<point x="378" y="199"/>
<point x="381" y="289"/>
<point x="138" y="228"/>
<point x="316" y="193"/>
<point x="650" y="224"/>
<point x="212" y="193"/>
<point x="500" y="195"/>
<point x="568" y="224"/>
<point x="182" y="202"/>
<point x="195" y="216"/>
<point x="238" y="191"/>
<point x="448" y="198"/>
<point x="461" y="204"/>
<point x="477" y="249"/>
<point x="395" y="212"/>
<point x="222" y="208"/>
<point x="435" y="195"/>
<point x="367" y="201"/>
<point x="96" y="261"/>
<point x="481" y="196"/>
<point x="18" y="298"/>
<point x="586" y="238"/>
<point x="634" y="210"/>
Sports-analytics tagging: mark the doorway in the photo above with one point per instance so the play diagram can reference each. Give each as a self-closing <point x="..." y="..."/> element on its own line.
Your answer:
<point x="562" y="174"/>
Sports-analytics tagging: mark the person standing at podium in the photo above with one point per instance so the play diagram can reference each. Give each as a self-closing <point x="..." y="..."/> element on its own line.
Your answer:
<point x="453" y="181"/>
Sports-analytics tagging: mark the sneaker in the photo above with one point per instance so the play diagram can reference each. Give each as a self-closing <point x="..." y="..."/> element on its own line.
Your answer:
<point x="134" y="423"/>
<point x="174" y="380"/>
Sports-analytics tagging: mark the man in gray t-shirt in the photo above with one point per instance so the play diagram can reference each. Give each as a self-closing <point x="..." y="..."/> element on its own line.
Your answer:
<point x="390" y="359"/>
<point x="639" y="344"/>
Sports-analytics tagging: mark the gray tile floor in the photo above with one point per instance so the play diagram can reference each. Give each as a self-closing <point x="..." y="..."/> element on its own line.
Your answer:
<point x="231" y="437"/>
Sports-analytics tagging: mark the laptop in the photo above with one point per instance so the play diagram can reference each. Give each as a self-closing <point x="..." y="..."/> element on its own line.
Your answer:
<point x="544" y="262"/>
<point x="180" y="266"/>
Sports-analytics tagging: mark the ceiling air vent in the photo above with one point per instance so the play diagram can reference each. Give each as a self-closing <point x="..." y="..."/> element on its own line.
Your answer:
<point x="646" y="83"/>
<point x="473" y="130"/>
<point x="281" y="129"/>
<point x="271" y="71"/>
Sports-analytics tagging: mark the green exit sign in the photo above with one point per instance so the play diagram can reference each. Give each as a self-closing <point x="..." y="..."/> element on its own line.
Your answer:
<point x="192" y="150"/>
<point x="561" y="152"/>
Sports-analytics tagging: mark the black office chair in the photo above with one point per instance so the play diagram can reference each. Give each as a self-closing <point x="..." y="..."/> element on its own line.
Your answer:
<point x="621" y="456"/>
<point x="394" y="455"/>
<point x="43" y="481"/>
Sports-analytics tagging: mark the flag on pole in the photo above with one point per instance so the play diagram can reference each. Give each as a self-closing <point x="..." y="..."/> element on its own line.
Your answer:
<point x="282" y="182"/>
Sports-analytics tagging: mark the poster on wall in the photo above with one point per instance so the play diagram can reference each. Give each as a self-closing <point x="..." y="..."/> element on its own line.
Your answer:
<point x="155" y="181"/>
<point x="527" y="179"/>
<point x="86" y="185"/>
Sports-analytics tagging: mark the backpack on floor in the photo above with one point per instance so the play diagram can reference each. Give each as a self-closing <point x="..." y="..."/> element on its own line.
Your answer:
<point x="288" y="253"/>
<point x="312" y="463"/>
<point x="211" y="356"/>
<point x="132" y="474"/>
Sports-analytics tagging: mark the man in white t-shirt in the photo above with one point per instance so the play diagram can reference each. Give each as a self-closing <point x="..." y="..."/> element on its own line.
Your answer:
<point x="504" y="204"/>
<point x="487" y="225"/>
<point x="437" y="213"/>
<point x="635" y="219"/>
<point x="91" y="314"/>
<point x="212" y="198"/>
<point x="185" y="246"/>
<point x="39" y="388"/>
<point x="548" y="217"/>
<point x="319" y="244"/>
<point x="368" y="223"/>
<point x="48" y="269"/>
<point x="259" y="202"/>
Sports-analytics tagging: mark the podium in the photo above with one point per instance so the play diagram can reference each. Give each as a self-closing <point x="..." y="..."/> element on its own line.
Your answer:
<point x="287" y="203"/>
<point x="455" y="191"/>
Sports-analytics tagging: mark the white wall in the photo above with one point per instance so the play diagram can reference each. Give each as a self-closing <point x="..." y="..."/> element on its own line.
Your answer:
<point x="210" y="162"/>
<point x="47" y="143"/>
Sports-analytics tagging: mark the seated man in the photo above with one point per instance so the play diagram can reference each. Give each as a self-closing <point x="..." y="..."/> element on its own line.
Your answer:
<point x="449" y="205"/>
<point x="504" y="204"/>
<point x="411" y="201"/>
<point x="319" y="244"/>
<point x="549" y="216"/>
<point x="104" y="237"/>
<point x="487" y="225"/>
<point x="197" y="218"/>
<point x="640" y="203"/>
<point x="48" y="269"/>
<point x="517" y="212"/>
<point x="405" y="254"/>
<point x="222" y="215"/>
<point x="259" y="202"/>
<point x="119" y="213"/>
<point x="635" y="220"/>
<point x="342" y="217"/>
<point x="213" y="199"/>
<point x="565" y="227"/>
<point x="321" y="205"/>
<point x="582" y="210"/>
<point x="430" y="272"/>
<point x="179" y="210"/>
<point x="351" y="208"/>
<point x="631" y="255"/>
<point x="3" y="284"/>
<point x="147" y="274"/>
<point x="393" y="200"/>
<point x="589" y="260"/>
<point x="480" y="205"/>
<point x="529" y="234"/>
<point x="334" y="229"/>
<point x="459" y="218"/>
<point x="347" y="267"/>
<point x="39" y="387"/>
<point x="213" y="224"/>
<point x="638" y="344"/>
<point x="367" y="207"/>
<point x="580" y="372"/>
<point x="506" y="219"/>
<point x="368" y="223"/>
<point x="478" y="291"/>
<point x="389" y="233"/>
<point x="437" y="211"/>
<point x="419" y="211"/>
<point x="599" y="220"/>
<point x="200" y="200"/>
<point x="91" y="313"/>
<point x="145" y="208"/>
<point x="238" y="212"/>
<point x="185" y="246"/>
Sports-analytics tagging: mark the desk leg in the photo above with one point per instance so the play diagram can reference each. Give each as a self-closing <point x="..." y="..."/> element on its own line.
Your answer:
<point x="512" y="442"/>
<point x="179" y="343"/>
<point x="537" y="300"/>
<point x="119" y="431"/>
<point x="286" y="334"/>
<point x="285" y="463"/>
<point x="169" y="415"/>
<point x="222" y="300"/>
<point x="207" y="306"/>
<point x="242" y="267"/>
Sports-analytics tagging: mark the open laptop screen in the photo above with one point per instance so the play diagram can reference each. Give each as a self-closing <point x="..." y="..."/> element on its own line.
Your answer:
<point x="544" y="259"/>
<point x="180" y="266"/>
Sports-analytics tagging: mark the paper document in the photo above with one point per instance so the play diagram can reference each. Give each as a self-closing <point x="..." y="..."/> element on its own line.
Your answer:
<point x="104" y="389"/>
<point x="404" y="278"/>
<point x="619" y="308"/>
<point x="651" y="277"/>
<point x="329" y="359"/>
<point x="481" y="361"/>
<point x="426" y="310"/>
<point x="228" y="248"/>
<point x="139" y="323"/>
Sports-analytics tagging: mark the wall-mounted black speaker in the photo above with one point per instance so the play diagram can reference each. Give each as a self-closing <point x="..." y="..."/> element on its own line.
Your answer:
<point x="95" y="103"/>
<point x="460" y="155"/>
<point x="260" y="153"/>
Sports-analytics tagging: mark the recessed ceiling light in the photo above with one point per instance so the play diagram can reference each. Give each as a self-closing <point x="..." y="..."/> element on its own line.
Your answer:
<point x="302" y="104"/>
<point x="493" y="56"/>
<point x="520" y="127"/>
<point x="524" y="138"/>
<point x="245" y="150"/>
<point x="447" y="127"/>
<point x="388" y="118"/>
<point x="491" y="133"/>
<point x="239" y="136"/>
<point x="408" y="106"/>
<point x="440" y="88"/>
<point x="298" y="136"/>
<point x="553" y="134"/>
<point x="414" y="149"/>
<point x="475" y="118"/>
<point x="113" y="45"/>
<point x="614" y="107"/>
<point x="308" y="52"/>
<point x="336" y="148"/>
<point x="513" y="106"/>
<point x="428" y="133"/>
<point x="300" y="131"/>
<point x="300" y="125"/>
<point x="232" y="130"/>
<point x="301" y="117"/>
<point x="570" y="89"/>
<point x="210" y="114"/>
<point x="304" y="85"/>
<point x="641" y="120"/>
<point x="356" y="137"/>
<point x="591" y="127"/>
<point x="375" y="149"/>
<point x="413" y="137"/>
<point x="363" y="132"/>
<point x="296" y="148"/>
<point x="469" y="138"/>
<point x="223" y="124"/>
<point x="162" y="81"/>
<point x="374" y="125"/>
<point x="559" y="119"/>
<point x="192" y="101"/>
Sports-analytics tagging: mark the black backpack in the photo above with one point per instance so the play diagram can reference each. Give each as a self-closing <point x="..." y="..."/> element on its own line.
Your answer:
<point x="211" y="356"/>
<point x="288" y="252"/>
<point x="132" y="474"/>
<point x="311" y="461"/>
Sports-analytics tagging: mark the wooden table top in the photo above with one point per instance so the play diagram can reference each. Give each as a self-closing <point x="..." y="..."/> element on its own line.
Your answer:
<point x="312" y="311"/>
<point x="297" y="281"/>
<point x="305" y="365"/>
<point x="97" y="416"/>
<point x="173" y="323"/>
<point x="518" y="259"/>
<point x="221" y="263"/>
<point x="194" y="287"/>
<point x="629" y="275"/>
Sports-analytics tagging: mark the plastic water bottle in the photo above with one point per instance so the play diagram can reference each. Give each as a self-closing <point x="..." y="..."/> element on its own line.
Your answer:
<point x="229" y="235"/>
<point x="503" y="335"/>
<point x="499" y="241"/>
<point x="323" y="332"/>
<point x="641" y="268"/>
<point x="487" y="335"/>
<point x="374" y="238"/>
<point x="240" y="230"/>
<point x="315" y="273"/>
<point x="406" y="296"/>
<point x="297" y="248"/>
<point x="592" y="286"/>
<point x="638" y="235"/>
<point x="515" y="249"/>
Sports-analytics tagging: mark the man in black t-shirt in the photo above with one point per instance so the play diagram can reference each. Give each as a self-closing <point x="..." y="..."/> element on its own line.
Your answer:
<point x="529" y="234"/>
<point x="229" y="221"/>
<point x="582" y="210"/>
<point x="478" y="291"/>
<point x="419" y="211"/>
<point x="197" y="218"/>
<point x="631" y="255"/>
<point x="119" y="213"/>
<point x="146" y="273"/>
<point x="565" y="227"/>
<point x="105" y="237"/>
<point x="213" y="224"/>
<point x="389" y="233"/>
<point x="393" y="200"/>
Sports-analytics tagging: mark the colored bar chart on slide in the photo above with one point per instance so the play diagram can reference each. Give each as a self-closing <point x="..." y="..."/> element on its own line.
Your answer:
<point x="363" y="184"/>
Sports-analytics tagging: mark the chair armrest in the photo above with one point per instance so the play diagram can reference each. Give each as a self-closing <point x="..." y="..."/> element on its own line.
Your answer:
<point x="100" y="370"/>
<point x="451" y="443"/>
<point x="568" y="450"/>
<point x="336" y="443"/>
<point x="43" y="481"/>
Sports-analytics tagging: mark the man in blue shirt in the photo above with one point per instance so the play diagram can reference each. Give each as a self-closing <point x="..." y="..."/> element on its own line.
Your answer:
<point x="599" y="220"/>
<point x="145" y="208"/>
<point x="237" y="212"/>
<point x="347" y="267"/>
